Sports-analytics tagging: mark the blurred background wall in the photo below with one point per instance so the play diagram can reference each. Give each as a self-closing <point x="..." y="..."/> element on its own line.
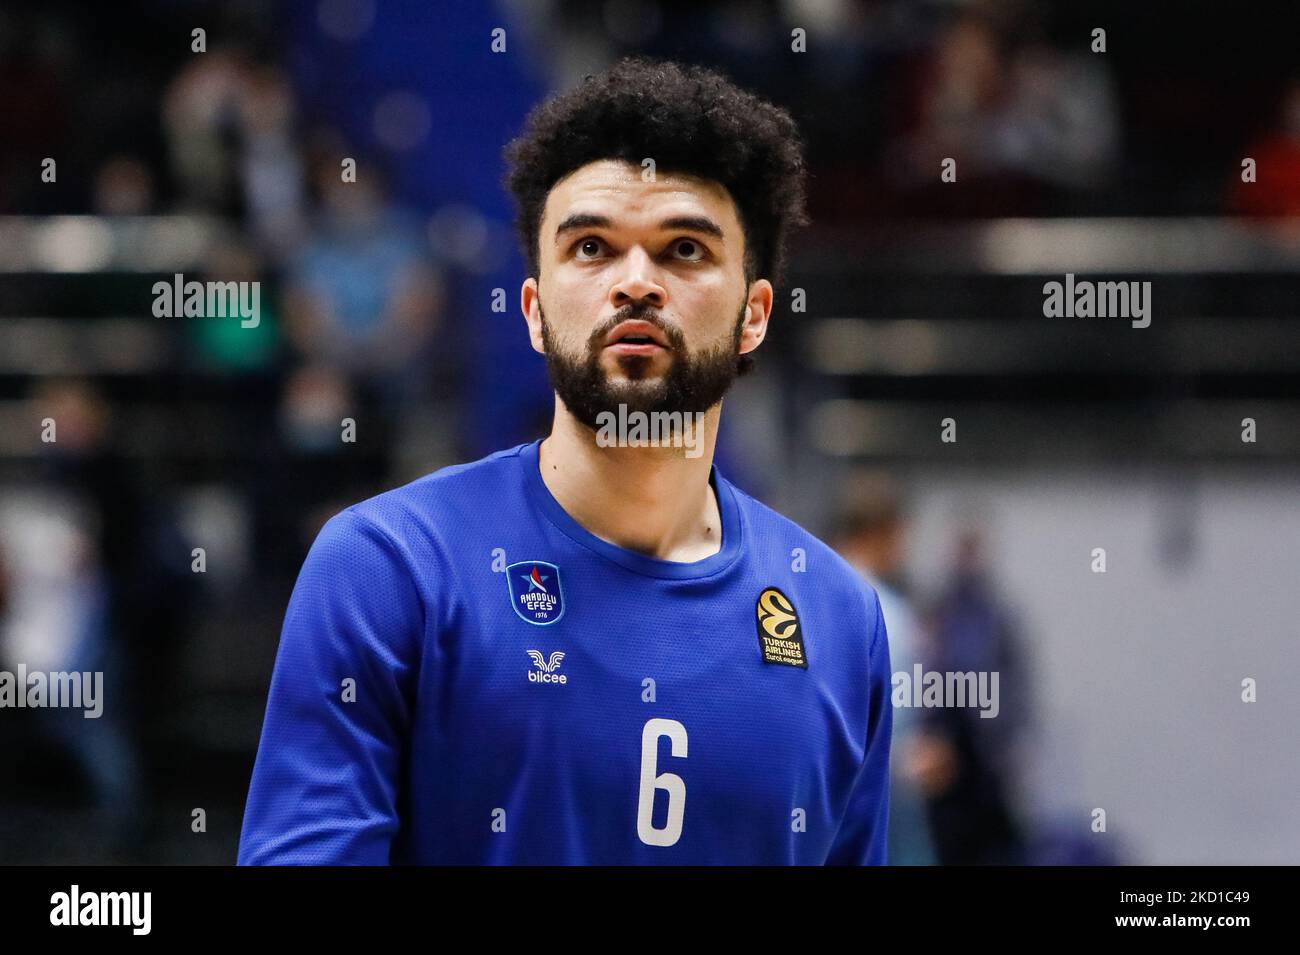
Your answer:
<point x="920" y="301"/>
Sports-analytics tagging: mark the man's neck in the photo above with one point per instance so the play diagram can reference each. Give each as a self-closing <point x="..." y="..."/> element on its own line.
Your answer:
<point x="654" y="501"/>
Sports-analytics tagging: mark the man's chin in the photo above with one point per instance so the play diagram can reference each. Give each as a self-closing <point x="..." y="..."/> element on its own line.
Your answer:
<point x="634" y="379"/>
<point x="644" y="389"/>
<point x="648" y="401"/>
<point x="634" y="369"/>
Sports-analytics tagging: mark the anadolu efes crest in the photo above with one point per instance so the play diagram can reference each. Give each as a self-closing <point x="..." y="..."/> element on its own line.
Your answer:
<point x="535" y="591"/>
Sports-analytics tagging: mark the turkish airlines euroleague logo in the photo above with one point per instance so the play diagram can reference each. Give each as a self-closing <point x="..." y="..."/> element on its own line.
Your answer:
<point x="779" y="635"/>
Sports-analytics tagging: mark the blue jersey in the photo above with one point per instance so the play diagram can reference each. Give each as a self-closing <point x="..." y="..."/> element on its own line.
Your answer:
<point x="466" y="675"/>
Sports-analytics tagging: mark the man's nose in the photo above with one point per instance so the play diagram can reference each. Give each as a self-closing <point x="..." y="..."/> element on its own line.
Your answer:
<point x="638" y="282"/>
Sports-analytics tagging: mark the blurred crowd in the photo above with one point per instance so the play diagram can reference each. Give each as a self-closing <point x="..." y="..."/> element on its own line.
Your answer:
<point x="95" y="536"/>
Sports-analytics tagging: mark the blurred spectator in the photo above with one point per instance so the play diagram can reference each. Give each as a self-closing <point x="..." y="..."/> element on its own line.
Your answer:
<point x="142" y="585"/>
<point x="1276" y="191"/>
<point x="57" y="621"/>
<point x="970" y="764"/>
<point x="316" y="400"/>
<point x="362" y="296"/>
<point x="123" y="187"/>
<point x="36" y="120"/>
<point x="1021" y="119"/>
<point x="270" y="167"/>
<point x="200" y="118"/>
<point x="233" y="346"/>
<point x="871" y="535"/>
<point x="306" y="467"/>
<point x="66" y="595"/>
<point x="232" y="140"/>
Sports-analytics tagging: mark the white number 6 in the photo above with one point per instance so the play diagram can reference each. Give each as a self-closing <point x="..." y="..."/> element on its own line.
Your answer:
<point x="671" y="783"/>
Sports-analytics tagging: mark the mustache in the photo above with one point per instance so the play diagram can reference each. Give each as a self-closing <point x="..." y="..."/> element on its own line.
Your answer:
<point x="641" y="313"/>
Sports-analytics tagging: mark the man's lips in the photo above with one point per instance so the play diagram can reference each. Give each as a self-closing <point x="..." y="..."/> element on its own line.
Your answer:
<point x="634" y="348"/>
<point x="635" y="338"/>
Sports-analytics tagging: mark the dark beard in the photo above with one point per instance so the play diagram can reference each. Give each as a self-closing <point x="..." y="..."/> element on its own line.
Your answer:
<point x="694" y="382"/>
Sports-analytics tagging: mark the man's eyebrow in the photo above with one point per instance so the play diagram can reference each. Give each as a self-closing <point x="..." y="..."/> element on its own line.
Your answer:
<point x="588" y="220"/>
<point x="582" y="220"/>
<point x="693" y="224"/>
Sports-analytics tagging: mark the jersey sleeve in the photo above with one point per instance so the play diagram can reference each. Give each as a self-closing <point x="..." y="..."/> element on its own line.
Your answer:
<point x="325" y="783"/>
<point x="862" y="836"/>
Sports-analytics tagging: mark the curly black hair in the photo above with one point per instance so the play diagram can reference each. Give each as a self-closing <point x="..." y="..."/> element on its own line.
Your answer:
<point x="690" y="120"/>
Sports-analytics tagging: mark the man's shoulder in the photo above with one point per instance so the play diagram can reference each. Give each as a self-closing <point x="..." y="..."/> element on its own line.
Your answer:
<point x="443" y="497"/>
<point x="769" y="529"/>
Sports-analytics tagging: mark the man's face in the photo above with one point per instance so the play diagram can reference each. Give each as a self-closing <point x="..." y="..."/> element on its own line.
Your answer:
<point x="642" y="298"/>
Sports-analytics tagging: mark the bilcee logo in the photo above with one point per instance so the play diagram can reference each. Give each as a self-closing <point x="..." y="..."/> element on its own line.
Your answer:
<point x="545" y="672"/>
<point x="535" y="592"/>
<point x="779" y="636"/>
<point x="182" y="299"/>
<point x="653" y="429"/>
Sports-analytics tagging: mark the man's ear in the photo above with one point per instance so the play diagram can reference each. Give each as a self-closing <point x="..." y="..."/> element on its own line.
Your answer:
<point x="758" y="311"/>
<point x="530" y="303"/>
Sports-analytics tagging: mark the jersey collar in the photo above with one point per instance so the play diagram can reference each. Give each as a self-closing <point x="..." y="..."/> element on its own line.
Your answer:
<point x="732" y="527"/>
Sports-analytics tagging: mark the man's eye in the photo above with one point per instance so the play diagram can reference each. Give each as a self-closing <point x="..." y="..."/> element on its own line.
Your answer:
<point x="588" y="248"/>
<point x="689" y="249"/>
